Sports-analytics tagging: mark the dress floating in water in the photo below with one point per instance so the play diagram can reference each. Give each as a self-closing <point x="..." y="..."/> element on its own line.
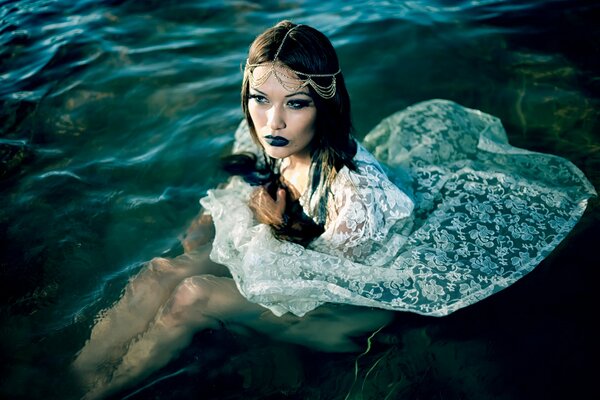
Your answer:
<point x="466" y="216"/>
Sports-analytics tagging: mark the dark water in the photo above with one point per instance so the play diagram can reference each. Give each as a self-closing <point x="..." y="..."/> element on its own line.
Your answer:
<point x="114" y="115"/>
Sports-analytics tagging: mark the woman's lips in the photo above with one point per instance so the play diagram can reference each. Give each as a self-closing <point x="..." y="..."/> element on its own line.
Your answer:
<point x="276" y="141"/>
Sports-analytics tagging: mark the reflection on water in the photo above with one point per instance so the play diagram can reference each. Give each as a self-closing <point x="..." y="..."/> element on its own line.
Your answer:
<point x="114" y="114"/>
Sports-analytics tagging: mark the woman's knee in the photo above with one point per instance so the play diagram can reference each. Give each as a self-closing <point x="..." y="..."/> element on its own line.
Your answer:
<point x="159" y="265"/>
<point x="190" y="299"/>
<point x="187" y="264"/>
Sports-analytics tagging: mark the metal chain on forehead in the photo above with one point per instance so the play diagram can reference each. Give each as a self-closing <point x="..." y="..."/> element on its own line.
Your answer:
<point x="325" y="91"/>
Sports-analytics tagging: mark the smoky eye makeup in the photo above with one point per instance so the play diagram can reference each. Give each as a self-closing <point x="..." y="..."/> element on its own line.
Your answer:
<point x="297" y="104"/>
<point x="259" y="98"/>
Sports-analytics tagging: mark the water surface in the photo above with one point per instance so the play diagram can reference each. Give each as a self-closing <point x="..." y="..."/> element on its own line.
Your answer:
<point x="114" y="116"/>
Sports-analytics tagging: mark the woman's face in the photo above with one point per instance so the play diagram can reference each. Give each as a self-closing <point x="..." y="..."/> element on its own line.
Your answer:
<point x="284" y="121"/>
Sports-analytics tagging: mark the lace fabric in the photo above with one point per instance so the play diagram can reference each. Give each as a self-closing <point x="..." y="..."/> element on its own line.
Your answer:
<point x="462" y="216"/>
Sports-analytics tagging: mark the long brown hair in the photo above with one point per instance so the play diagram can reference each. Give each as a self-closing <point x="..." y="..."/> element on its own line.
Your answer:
<point x="310" y="51"/>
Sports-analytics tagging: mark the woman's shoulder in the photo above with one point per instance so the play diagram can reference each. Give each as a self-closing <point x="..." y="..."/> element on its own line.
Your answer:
<point x="368" y="172"/>
<point x="366" y="161"/>
<point x="369" y="184"/>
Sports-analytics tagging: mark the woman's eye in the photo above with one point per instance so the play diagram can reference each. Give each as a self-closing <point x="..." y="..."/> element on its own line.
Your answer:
<point x="258" y="98"/>
<point x="298" y="104"/>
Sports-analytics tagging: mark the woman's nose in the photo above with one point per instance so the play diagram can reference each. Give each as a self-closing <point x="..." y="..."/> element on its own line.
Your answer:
<point x="276" y="118"/>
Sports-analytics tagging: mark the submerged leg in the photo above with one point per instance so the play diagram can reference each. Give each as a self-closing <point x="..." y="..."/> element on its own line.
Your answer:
<point x="199" y="302"/>
<point x="206" y="301"/>
<point x="132" y="314"/>
<point x="335" y="327"/>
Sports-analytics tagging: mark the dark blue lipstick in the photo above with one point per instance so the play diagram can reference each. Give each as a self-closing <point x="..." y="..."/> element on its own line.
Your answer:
<point x="276" y="141"/>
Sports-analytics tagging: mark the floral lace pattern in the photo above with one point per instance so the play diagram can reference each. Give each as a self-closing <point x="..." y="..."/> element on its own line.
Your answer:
<point x="474" y="215"/>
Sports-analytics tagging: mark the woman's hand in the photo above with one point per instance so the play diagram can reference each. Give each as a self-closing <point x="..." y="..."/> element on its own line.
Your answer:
<point x="200" y="232"/>
<point x="265" y="209"/>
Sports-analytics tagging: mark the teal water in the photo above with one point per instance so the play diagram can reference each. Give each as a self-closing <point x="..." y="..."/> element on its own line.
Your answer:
<point x="114" y="115"/>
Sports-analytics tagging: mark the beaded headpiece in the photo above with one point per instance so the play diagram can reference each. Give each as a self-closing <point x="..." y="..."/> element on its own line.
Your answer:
<point x="325" y="91"/>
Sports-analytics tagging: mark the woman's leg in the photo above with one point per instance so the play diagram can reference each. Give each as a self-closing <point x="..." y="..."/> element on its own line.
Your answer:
<point x="144" y="295"/>
<point x="206" y="301"/>
<point x="198" y="303"/>
<point x="333" y="327"/>
<point x="136" y="309"/>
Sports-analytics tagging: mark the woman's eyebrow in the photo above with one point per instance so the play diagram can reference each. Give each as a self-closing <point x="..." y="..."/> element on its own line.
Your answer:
<point x="296" y="93"/>
<point x="256" y="90"/>
<point x="288" y="95"/>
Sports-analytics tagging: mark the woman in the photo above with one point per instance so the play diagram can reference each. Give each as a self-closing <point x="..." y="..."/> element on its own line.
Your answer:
<point x="313" y="227"/>
<point x="302" y="123"/>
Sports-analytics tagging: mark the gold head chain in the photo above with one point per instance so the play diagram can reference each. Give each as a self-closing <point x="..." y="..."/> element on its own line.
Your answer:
<point x="325" y="91"/>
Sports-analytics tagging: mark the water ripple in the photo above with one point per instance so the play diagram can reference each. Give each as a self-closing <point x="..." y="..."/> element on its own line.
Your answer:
<point x="124" y="108"/>
<point x="67" y="174"/>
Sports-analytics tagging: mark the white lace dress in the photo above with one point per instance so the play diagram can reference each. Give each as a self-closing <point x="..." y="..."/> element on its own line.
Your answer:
<point x="463" y="215"/>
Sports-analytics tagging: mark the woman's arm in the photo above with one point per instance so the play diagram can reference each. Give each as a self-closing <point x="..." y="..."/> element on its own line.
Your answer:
<point x="364" y="207"/>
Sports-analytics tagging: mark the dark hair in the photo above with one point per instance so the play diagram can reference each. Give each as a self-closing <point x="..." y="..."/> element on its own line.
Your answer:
<point x="310" y="51"/>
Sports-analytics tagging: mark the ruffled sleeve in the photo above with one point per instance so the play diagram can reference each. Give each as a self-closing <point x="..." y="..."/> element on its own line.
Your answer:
<point x="362" y="235"/>
<point x="364" y="207"/>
